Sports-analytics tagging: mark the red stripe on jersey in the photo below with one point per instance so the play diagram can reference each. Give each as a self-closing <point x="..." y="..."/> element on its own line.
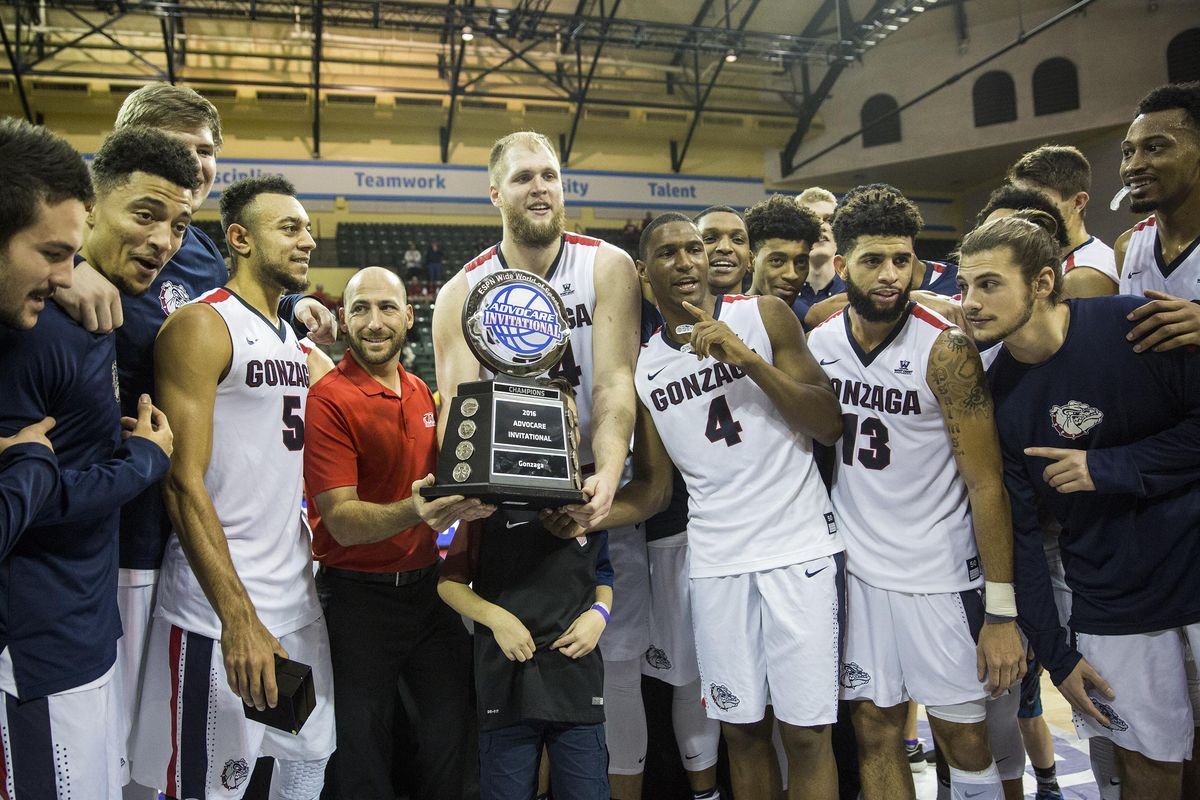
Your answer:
<point x="923" y="315"/>
<point x="733" y="298"/>
<point x="579" y="238"/>
<point x="1069" y="264"/>
<point x="1148" y="222"/>
<point x="937" y="266"/>
<point x="217" y="295"/>
<point x="480" y="259"/>
<point x="304" y="349"/>
<point x="176" y="663"/>
<point x="831" y="318"/>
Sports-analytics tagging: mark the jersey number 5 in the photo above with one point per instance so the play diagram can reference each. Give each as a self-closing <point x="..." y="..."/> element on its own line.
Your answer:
<point x="877" y="454"/>
<point x="293" y="423"/>
<point x="721" y="424"/>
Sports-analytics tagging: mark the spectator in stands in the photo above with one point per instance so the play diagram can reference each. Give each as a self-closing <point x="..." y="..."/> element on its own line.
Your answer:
<point x="319" y="295"/>
<point x="412" y="261"/>
<point x="433" y="264"/>
<point x="646" y="220"/>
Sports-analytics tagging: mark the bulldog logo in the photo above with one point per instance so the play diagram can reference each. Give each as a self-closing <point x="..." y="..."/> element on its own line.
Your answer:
<point x="657" y="658"/>
<point x="853" y="676"/>
<point x="235" y="773"/>
<point x="724" y="698"/>
<point x="1115" y="723"/>
<point x="1075" y="419"/>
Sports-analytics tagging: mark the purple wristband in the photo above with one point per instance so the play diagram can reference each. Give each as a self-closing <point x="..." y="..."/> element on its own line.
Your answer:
<point x="603" y="611"/>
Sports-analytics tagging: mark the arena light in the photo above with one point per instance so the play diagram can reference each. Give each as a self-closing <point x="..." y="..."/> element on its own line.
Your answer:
<point x="892" y="27"/>
<point x="918" y="9"/>
<point x="467" y="33"/>
<point x="731" y="56"/>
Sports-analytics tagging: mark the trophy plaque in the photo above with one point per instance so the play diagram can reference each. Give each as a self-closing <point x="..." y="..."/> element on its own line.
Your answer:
<point x="513" y="440"/>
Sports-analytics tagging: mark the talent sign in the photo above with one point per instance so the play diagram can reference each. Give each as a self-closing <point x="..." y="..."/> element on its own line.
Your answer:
<point x="513" y="440"/>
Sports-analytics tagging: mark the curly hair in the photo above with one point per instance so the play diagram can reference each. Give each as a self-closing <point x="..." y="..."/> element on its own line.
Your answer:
<point x="1009" y="196"/>
<point x="1029" y="236"/>
<point x="135" y="149"/>
<point x="1174" y="95"/>
<point x="781" y="217"/>
<point x="874" y="210"/>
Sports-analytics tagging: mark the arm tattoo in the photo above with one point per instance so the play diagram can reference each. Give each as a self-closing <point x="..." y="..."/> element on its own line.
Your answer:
<point x="957" y="378"/>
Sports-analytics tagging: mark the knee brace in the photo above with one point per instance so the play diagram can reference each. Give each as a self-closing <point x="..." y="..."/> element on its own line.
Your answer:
<point x="697" y="736"/>
<point x="624" y="717"/>
<point x="298" y="780"/>
<point x="1004" y="736"/>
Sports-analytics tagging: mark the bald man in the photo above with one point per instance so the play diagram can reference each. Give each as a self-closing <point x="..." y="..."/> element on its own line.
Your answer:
<point x="371" y="442"/>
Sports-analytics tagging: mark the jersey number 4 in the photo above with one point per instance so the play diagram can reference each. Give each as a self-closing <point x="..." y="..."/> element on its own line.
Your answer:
<point x="876" y="454"/>
<point x="721" y="424"/>
<point x="567" y="368"/>
<point x="293" y="423"/>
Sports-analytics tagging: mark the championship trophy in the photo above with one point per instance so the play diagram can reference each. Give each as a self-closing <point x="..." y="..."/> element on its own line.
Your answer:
<point x="513" y="440"/>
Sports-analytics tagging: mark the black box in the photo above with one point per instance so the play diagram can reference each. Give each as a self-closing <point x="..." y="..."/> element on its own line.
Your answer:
<point x="297" y="697"/>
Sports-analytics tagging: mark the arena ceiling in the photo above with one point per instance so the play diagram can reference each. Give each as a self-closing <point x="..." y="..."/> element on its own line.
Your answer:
<point x="777" y="60"/>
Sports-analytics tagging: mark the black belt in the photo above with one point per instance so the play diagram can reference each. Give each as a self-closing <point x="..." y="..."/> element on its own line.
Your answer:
<point x="390" y="578"/>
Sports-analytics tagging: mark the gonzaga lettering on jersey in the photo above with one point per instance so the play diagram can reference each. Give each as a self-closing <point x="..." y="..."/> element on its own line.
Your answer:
<point x="1145" y="268"/>
<point x="571" y="276"/>
<point x="1095" y="254"/>
<point x="899" y="536"/>
<point x="255" y="479"/>
<point x="756" y="499"/>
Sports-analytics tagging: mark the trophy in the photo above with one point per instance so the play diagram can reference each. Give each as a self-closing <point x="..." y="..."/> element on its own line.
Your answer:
<point x="513" y="440"/>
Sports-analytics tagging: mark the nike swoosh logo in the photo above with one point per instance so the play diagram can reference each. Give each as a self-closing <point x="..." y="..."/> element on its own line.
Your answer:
<point x="689" y="758"/>
<point x="515" y="524"/>
<point x="1138" y="272"/>
<point x="654" y="375"/>
<point x="825" y="363"/>
<point x="808" y="574"/>
<point x="969" y="795"/>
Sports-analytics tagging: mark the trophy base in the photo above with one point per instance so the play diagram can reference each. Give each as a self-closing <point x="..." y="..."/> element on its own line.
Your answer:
<point x="529" y="498"/>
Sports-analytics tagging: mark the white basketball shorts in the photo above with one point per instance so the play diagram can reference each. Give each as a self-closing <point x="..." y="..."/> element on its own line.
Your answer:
<point x="671" y="656"/>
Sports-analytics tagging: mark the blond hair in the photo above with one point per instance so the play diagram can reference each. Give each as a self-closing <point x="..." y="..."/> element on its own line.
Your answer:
<point x="172" y="108"/>
<point x="530" y="139"/>
<point x="815" y="194"/>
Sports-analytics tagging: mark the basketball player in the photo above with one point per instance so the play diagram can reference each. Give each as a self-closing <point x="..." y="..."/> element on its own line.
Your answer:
<point x="727" y="244"/>
<point x="1064" y="176"/>
<point x="60" y="619"/>
<point x="1112" y="454"/>
<point x="1160" y="163"/>
<point x="597" y="284"/>
<point x="933" y="282"/>
<point x="913" y="389"/>
<point x="237" y="582"/>
<point x="780" y="262"/>
<point x="764" y="583"/>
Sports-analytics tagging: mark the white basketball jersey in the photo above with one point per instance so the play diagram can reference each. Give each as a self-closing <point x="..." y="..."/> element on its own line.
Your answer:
<point x="897" y="491"/>
<point x="1144" y="267"/>
<point x="1095" y="254"/>
<point x="255" y="479"/>
<point x="756" y="501"/>
<point x="572" y="277"/>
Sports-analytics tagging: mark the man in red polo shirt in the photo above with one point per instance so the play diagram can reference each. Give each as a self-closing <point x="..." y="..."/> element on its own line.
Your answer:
<point x="371" y="443"/>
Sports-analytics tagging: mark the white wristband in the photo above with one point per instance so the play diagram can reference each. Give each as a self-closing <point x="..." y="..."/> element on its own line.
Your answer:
<point x="1000" y="599"/>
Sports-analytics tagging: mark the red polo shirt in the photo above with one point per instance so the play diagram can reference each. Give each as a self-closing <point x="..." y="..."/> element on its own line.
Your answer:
<point x="359" y="433"/>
